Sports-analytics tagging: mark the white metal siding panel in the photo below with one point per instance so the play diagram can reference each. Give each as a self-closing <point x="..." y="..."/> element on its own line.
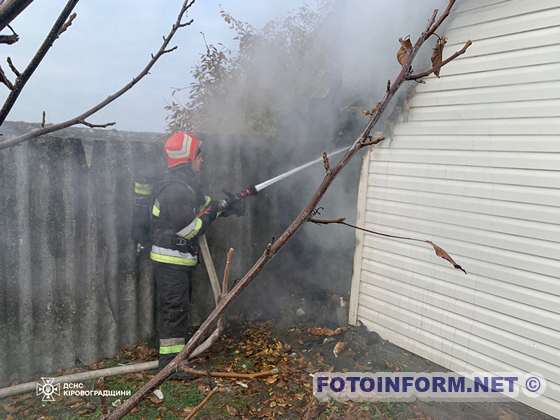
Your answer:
<point x="474" y="165"/>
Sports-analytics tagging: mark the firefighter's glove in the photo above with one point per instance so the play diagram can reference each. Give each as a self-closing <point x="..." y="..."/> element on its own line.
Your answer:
<point x="231" y="206"/>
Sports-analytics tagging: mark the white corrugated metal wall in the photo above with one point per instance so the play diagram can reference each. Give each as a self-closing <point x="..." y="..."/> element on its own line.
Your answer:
<point x="474" y="165"/>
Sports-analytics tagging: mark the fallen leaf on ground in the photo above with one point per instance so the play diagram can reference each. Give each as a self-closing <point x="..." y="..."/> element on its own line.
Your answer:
<point x="325" y="332"/>
<point x="339" y="348"/>
<point x="271" y="379"/>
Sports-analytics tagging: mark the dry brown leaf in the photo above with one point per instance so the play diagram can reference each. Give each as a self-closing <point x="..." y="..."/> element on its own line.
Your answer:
<point x="373" y="111"/>
<point x="339" y="348"/>
<point x="440" y="252"/>
<point x="404" y="50"/>
<point x="271" y="379"/>
<point x="437" y="55"/>
<point x="154" y="400"/>
<point x="324" y="332"/>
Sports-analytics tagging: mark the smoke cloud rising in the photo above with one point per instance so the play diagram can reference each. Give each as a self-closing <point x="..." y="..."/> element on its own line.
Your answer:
<point x="298" y="88"/>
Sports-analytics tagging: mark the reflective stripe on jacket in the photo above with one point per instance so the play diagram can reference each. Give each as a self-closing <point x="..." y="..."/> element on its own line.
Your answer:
<point x="172" y="256"/>
<point x="180" y="213"/>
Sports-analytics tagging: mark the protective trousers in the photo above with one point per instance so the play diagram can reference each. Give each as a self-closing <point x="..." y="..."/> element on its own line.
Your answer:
<point x="173" y="295"/>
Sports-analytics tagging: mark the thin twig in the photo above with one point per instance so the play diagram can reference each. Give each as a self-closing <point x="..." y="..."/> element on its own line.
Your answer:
<point x="230" y="375"/>
<point x="187" y="4"/>
<point x="227" y="271"/>
<point x="440" y="252"/>
<point x="169" y="50"/>
<point x="187" y="23"/>
<point x="202" y="403"/>
<point x="326" y="162"/>
<point x="225" y="285"/>
<point x="452" y="57"/>
<point x="431" y="22"/>
<point x="67" y="24"/>
<point x="24" y="77"/>
<point x="91" y="125"/>
<point x="9" y="39"/>
<point x="435" y="26"/>
<point x="212" y="338"/>
<point x="13" y="67"/>
<point x="370" y="141"/>
<point x="5" y="81"/>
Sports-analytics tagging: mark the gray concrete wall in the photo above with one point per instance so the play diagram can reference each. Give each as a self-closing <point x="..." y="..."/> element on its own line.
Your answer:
<point x="69" y="290"/>
<point x="72" y="290"/>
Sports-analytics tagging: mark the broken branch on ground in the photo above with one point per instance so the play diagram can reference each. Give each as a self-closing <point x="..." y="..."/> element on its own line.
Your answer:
<point x="202" y="403"/>
<point x="230" y="375"/>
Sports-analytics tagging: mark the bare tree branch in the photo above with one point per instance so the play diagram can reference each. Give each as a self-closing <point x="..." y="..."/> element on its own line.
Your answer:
<point x="90" y="125"/>
<point x="4" y="80"/>
<point x="170" y="50"/>
<point x="432" y="27"/>
<point x="225" y="285"/>
<point x="227" y="271"/>
<point x="230" y="375"/>
<point x="221" y="324"/>
<point x="187" y="23"/>
<point x="67" y="24"/>
<point x="9" y="9"/>
<point x="9" y="39"/>
<point x="440" y="252"/>
<point x="202" y="403"/>
<point x="217" y="297"/>
<point x="433" y="19"/>
<point x="36" y="60"/>
<point x="13" y="67"/>
<point x="187" y="4"/>
<point x="273" y="247"/>
<point x="416" y="76"/>
<point x="370" y="141"/>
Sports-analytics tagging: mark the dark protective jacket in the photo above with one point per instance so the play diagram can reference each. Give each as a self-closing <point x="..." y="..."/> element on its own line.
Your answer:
<point x="180" y="214"/>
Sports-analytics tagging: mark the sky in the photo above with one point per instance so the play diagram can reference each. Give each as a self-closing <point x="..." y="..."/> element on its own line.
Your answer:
<point x="108" y="44"/>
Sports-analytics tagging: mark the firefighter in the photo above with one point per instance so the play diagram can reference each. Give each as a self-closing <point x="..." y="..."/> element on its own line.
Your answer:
<point x="180" y="214"/>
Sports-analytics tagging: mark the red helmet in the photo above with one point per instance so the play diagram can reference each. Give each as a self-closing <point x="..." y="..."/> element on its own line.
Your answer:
<point x="181" y="148"/>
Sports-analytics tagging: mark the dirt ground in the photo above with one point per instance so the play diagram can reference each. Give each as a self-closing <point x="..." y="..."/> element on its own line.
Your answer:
<point x="296" y="352"/>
